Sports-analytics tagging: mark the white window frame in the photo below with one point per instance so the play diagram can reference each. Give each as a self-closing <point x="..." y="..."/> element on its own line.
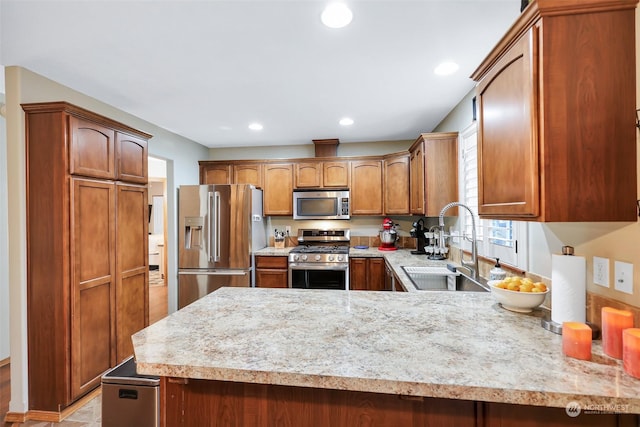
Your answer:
<point x="517" y="254"/>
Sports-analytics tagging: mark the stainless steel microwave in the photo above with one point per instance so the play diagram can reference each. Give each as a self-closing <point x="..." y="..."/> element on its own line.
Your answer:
<point x="321" y="204"/>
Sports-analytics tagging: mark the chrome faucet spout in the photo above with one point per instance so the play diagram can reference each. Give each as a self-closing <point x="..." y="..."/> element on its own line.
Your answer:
<point x="473" y="265"/>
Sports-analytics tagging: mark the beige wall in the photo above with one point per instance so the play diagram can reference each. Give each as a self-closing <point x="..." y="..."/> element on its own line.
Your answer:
<point x="374" y="148"/>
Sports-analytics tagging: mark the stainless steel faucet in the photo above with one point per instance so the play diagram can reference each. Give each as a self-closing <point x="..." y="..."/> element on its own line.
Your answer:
<point x="473" y="265"/>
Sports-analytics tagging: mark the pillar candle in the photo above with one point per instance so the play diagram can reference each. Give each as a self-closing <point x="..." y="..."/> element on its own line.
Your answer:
<point x="613" y="323"/>
<point x="576" y="340"/>
<point x="631" y="351"/>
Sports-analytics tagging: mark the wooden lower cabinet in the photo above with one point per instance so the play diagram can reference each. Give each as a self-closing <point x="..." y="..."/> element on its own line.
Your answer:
<point x="187" y="402"/>
<point x="272" y="272"/>
<point x="505" y="415"/>
<point x="367" y="274"/>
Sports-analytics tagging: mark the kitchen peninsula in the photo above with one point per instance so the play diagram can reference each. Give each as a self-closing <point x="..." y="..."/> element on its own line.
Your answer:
<point x="251" y="357"/>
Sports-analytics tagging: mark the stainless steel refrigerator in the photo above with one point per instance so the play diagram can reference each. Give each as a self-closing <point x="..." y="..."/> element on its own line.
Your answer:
<point x="219" y="228"/>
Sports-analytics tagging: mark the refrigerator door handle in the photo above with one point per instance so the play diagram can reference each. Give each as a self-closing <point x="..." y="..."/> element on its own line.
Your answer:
<point x="216" y="253"/>
<point x="213" y="273"/>
<point x="213" y="212"/>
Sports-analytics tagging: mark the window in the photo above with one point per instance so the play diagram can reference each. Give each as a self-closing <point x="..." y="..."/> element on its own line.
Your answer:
<point x="502" y="239"/>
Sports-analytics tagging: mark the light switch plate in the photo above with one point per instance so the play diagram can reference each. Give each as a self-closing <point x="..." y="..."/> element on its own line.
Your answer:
<point x="623" y="277"/>
<point x="601" y="271"/>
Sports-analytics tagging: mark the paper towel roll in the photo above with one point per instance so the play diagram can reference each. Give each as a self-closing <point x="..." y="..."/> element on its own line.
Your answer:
<point x="568" y="288"/>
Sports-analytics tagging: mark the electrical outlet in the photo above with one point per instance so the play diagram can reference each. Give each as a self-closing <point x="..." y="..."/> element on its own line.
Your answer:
<point x="623" y="277"/>
<point x="287" y="228"/>
<point x="601" y="271"/>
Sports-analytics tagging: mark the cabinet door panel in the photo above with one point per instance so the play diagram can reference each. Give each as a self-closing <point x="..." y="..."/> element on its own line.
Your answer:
<point x="308" y="175"/>
<point x="132" y="280"/>
<point x="272" y="278"/>
<point x="396" y="185"/>
<point x="92" y="149"/>
<point x="366" y="187"/>
<point x="507" y="143"/>
<point x="132" y="158"/>
<point x="248" y="174"/>
<point x="441" y="172"/>
<point x="92" y="287"/>
<point x="335" y="174"/>
<point x="376" y="275"/>
<point x="278" y="189"/>
<point x="416" y="170"/>
<point x="215" y="174"/>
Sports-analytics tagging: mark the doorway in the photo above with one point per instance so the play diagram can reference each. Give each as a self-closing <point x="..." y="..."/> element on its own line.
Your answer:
<point x="157" y="193"/>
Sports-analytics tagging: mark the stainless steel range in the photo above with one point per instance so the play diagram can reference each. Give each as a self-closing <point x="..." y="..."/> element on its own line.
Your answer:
<point x="321" y="259"/>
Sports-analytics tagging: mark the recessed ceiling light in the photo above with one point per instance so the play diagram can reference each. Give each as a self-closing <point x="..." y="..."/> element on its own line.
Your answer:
<point x="255" y="126"/>
<point x="446" y="68"/>
<point x="346" y="121"/>
<point x="336" y="15"/>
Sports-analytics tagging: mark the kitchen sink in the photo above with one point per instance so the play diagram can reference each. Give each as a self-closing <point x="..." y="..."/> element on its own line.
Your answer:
<point x="449" y="278"/>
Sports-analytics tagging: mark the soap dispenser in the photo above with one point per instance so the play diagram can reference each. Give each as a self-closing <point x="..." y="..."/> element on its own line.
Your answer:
<point x="497" y="273"/>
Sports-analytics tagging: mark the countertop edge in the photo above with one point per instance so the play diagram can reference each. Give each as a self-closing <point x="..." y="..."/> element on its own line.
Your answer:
<point x="400" y="388"/>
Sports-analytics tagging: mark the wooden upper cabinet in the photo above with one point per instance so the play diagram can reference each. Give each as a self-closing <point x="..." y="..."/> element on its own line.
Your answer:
<point x="556" y="140"/>
<point x="440" y="171"/>
<point x="366" y="187"/>
<point x="248" y="174"/>
<point x="433" y="173"/>
<point x="335" y="174"/>
<point x="92" y="149"/>
<point x="396" y="184"/>
<point x="416" y="173"/>
<point x="508" y="149"/>
<point x="131" y="158"/>
<point x="215" y="173"/>
<point x="278" y="189"/>
<point x="308" y="175"/>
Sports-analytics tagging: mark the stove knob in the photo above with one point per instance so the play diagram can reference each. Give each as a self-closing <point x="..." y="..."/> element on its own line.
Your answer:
<point x="296" y="257"/>
<point x="331" y="257"/>
<point x="318" y="257"/>
<point x="340" y="258"/>
<point x="304" y="257"/>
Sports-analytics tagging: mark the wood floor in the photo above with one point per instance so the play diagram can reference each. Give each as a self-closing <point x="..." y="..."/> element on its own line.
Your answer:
<point x="157" y="311"/>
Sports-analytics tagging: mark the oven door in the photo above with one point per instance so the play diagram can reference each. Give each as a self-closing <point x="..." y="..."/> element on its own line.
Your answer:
<point x="319" y="276"/>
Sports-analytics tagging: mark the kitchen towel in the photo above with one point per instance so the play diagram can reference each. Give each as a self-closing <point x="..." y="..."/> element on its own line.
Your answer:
<point x="568" y="288"/>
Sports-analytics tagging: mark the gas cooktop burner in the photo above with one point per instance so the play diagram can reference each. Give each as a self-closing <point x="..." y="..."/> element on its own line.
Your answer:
<point x="320" y="249"/>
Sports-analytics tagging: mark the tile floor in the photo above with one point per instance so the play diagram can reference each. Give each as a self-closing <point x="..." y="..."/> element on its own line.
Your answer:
<point x="89" y="415"/>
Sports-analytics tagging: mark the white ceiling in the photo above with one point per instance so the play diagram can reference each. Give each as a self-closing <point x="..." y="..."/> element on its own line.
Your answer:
<point x="207" y="69"/>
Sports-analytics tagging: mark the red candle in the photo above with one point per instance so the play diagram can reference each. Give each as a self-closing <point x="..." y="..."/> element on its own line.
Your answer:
<point x="576" y="340"/>
<point x="613" y="323"/>
<point x="631" y="351"/>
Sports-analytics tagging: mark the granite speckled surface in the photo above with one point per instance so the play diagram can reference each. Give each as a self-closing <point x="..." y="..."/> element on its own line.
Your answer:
<point x="455" y="345"/>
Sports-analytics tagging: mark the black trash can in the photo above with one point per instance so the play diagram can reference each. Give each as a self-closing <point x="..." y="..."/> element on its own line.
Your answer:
<point x="129" y="399"/>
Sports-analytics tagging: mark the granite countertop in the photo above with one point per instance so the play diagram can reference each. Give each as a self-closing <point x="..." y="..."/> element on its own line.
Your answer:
<point x="458" y="345"/>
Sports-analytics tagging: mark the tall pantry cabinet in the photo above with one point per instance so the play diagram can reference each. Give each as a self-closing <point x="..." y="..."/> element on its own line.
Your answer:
<point x="87" y="249"/>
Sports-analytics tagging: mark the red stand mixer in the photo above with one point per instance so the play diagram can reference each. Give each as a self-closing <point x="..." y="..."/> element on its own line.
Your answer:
<point x="388" y="236"/>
